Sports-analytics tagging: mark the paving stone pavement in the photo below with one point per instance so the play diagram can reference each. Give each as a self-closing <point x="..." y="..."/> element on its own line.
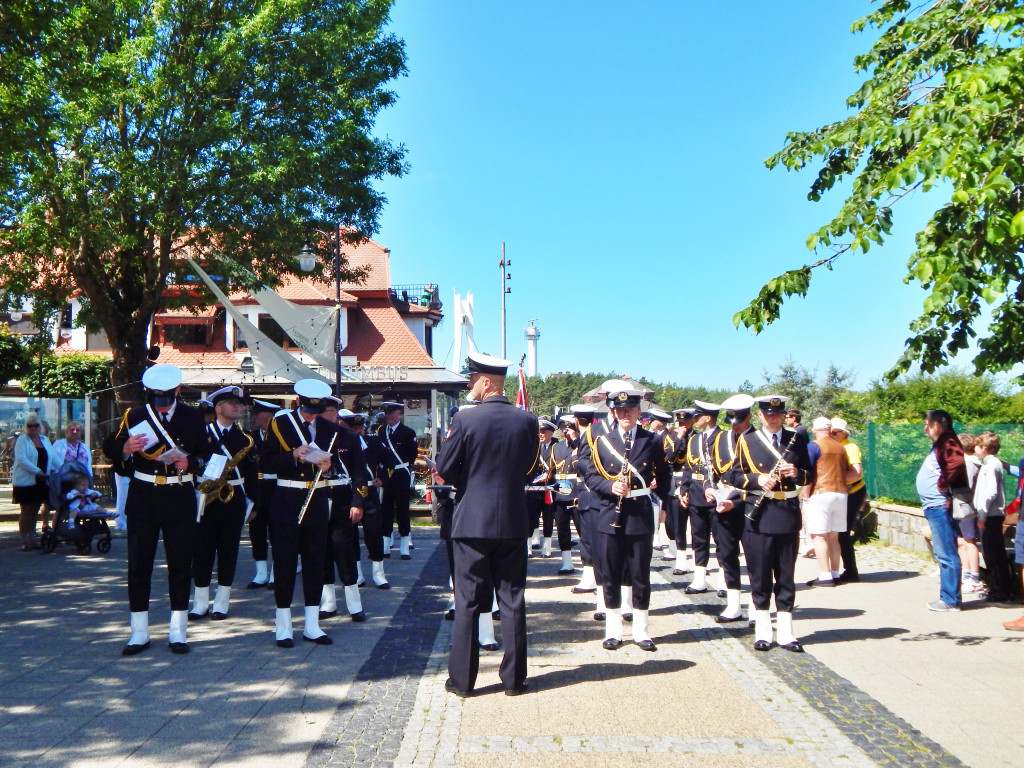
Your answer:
<point x="884" y="682"/>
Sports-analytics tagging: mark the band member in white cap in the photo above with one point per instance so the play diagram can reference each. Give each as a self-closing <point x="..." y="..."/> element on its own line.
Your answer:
<point x="260" y="413"/>
<point x="300" y="451"/>
<point x="373" y="451"/>
<point x="563" y="460"/>
<point x="658" y="426"/>
<point x="161" y="497"/>
<point x="348" y="491"/>
<point x="677" y="517"/>
<point x="620" y="468"/>
<point x="488" y="457"/>
<point x="581" y="517"/>
<point x="699" y="468"/>
<point x="400" y="453"/>
<point x="728" y="522"/>
<point x="771" y="463"/>
<point x="224" y="507"/>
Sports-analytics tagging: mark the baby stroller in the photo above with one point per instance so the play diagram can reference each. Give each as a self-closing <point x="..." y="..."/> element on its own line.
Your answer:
<point x="78" y="528"/>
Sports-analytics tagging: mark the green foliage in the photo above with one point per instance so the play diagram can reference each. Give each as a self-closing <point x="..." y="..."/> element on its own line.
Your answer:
<point x="14" y="358"/>
<point x="831" y="395"/>
<point x="135" y="133"/>
<point x="967" y="397"/>
<point x="70" y="375"/>
<point x="940" y="105"/>
<point x="557" y="391"/>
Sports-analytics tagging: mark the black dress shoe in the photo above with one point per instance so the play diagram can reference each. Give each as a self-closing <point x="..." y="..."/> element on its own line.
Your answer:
<point x="387" y="554"/>
<point x="178" y="648"/>
<point x="658" y="547"/>
<point x="582" y="590"/>
<point x="727" y="620"/>
<point x="131" y="650"/>
<point x="218" y="616"/>
<point x="794" y="647"/>
<point x="359" y="617"/>
<point x="449" y="615"/>
<point x="529" y="555"/>
<point x="406" y="557"/>
<point x="611" y="644"/>
<point x="721" y="593"/>
<point x="693" y="591"/>
<point x="820" y="583"/>
<point x="488" y="646"/>
<point x="846" y="577"/>
<point x="198" y="616"/>
<point x="322" y="640"/>
<point x="627" y="617"/>
<point x="450" y="687"/>
<point x="327" y="614"/>
<point x="385" y="585"/>
<point x="762" y="645"/>
<point x="496" y="615"/>
<point x="678" y="571"/>
<point x="286" y="643"/>
<point x="566" y="571"/>
<point x="519" y="690"/>
<point x="646" y="645"/>
<point x="256" y="585"/>
<point x="599" y="616"/>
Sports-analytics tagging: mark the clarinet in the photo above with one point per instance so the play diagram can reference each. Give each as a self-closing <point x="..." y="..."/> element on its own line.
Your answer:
<point x="753" y="513"/>
<point x="624" y="476"/>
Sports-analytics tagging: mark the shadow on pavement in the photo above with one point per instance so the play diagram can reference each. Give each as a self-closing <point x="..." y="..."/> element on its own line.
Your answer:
<point x="823" y="636"/>
<point x="599" y="672"/>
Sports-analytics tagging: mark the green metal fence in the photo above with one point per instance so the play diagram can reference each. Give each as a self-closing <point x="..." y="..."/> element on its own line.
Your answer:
<point x="893" y="454"/>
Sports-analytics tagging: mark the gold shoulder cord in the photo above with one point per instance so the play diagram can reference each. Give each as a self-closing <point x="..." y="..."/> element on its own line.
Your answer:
<point x="741" y="444"/>
<point x="690" y="458"/>
<point x="597" y="460"/>
<point x="143" y="454"/>
<point x="277" y="433"/>
<point x="722" y="467"/>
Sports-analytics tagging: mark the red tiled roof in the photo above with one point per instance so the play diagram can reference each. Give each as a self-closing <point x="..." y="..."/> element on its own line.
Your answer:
<point x="374" y="257"/>
<point x="197" y="359"/>
<point x="379" y="336"/>
<point x="300" y="290"/>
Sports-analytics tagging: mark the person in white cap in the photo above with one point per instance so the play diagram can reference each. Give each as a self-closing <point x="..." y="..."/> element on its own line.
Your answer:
<point x="539" y="502"/>
<point x="728" y="522"/>
<point x="856" y="494"/>
<point x="622" y="467"/>
<point x="825" y="505"/>
<point x="583" y="415"/>
<point x="563" y="459"/>
<point x="260" y="414"/>
<point x="658" y="426"/>
<point x="677" y="517"/>
<point x="373" y="451"/>
<point x="161" y="498"/>
<point x="488" y="457"/>
<point x="771" y="464"/>
<point x="220" y="523"/>
<point x="347" y="485"/>
<point x="698" y="474"/>
<point x="299" y="509"/>
<point x="400" y="451"/>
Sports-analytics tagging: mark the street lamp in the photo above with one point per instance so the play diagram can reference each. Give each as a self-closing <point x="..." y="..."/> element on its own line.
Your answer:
<point x="307" y="262"/>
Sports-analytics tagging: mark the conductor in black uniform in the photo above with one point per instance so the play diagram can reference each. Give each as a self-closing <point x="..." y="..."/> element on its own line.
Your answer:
<point x="771" y="462"/>
<point x="488" y="457"/>
<point x="161" y="497"/>
<point x="621" y="501"/>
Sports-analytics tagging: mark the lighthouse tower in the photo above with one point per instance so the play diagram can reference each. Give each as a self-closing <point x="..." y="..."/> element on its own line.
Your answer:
<point x="531" y="333"/>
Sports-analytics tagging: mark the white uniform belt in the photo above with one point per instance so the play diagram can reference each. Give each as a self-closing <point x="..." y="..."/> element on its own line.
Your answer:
<point x="307" y="484"/>
<point x="163" y="479"/>
<point x="236" y="481"/>
<point x="777" y="495"/>
<point x="566" y="476"/>
<point x="697" y="476"/>
<point x="538" y="487"/>
<point x="263" y="476"/>
<point x="403" y="465"/>
<point x="638" y="492"/>
<point x="678" y="475"/>
<point x="336" y="481"/>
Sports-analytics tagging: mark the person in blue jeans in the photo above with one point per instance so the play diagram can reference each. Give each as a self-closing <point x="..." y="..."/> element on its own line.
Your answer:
<point x="941" y="471"/>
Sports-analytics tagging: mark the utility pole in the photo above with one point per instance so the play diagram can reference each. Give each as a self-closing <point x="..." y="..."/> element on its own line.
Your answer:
<point x="505" y="276"/>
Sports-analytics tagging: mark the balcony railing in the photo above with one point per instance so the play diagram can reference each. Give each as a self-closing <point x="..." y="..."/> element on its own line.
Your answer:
<point x="421" y="294"/>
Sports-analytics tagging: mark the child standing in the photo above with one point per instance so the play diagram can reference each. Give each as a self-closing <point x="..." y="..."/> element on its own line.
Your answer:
<point x="990" y="504"/>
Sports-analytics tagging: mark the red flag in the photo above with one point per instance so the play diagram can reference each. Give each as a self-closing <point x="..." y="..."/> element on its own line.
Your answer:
<point x="522" y="399"/>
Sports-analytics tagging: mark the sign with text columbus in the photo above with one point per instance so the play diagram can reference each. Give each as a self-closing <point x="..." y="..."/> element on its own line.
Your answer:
<point x="379" y="372"/>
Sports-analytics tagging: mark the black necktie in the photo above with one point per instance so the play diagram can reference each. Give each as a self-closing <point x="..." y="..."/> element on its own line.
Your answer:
<point x="775" y="441"/>
<point x="166" y="421"/>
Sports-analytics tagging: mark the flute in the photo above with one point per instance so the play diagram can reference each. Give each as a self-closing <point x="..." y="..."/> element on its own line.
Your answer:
<point x="623" y="476"/>
<point x="312" y="488"/>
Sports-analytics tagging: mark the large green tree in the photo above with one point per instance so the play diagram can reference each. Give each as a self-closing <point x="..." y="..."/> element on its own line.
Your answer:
<point x="135" y="132"/>
<point x="942" y="109"/>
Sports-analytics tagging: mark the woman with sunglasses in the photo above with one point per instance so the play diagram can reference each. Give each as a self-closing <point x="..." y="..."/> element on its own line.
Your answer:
<point x="33" y="462"/>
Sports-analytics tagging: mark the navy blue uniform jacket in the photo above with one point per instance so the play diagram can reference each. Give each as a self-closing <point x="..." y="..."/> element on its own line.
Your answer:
<point x="488" y="457"/>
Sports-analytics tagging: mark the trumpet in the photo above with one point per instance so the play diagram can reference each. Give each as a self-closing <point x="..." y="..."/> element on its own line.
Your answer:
<point x="753" y="513"/>
<point x="624" y="477"/>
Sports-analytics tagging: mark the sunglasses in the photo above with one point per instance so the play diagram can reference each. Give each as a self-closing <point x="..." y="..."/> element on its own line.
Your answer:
<point x="31" y="425"/>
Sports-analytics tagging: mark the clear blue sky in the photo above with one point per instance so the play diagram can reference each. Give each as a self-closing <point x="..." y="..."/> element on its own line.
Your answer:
<point x="618" y="151"/>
